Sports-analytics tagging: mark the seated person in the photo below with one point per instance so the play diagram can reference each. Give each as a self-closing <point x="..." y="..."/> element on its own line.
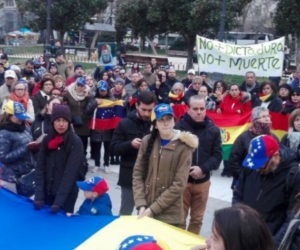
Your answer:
<point x="97" y="201"/>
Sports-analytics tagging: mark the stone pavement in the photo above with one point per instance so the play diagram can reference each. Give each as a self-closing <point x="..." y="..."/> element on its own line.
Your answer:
<point x="219" y="196"/>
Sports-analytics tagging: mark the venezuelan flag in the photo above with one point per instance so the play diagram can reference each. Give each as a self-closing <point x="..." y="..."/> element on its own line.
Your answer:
<point x="24" y="228"/>
<point x="107" y="115"/>
<point x="231" y="126"/>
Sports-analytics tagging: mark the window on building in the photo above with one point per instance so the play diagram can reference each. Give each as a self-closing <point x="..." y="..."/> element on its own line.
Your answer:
<point x="9" y="3"/>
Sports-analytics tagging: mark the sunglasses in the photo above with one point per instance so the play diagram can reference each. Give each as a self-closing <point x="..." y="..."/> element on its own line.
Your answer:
<point x="295" y="94"/>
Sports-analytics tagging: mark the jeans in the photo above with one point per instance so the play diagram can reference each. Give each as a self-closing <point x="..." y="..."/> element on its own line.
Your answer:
<point x="195" y="197"/>
<point x="127" y="201"/>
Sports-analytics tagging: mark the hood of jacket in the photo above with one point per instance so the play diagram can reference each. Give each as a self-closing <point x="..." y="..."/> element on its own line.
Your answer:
<point x="186" y="137"/>
<point x="287" y="157"/>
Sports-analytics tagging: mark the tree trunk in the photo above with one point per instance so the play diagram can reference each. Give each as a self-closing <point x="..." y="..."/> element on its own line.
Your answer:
<point x="190" y="40"/>
<point x="94" y="40"/>
<point x="151" y="44"/>
<point x="297" y="54"/>
<point x="61" y="40"/>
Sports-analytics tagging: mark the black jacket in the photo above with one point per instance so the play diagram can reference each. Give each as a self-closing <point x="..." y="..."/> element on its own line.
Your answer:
<point x="208" y="155"/>
<point x="238" y="153"/>
<point x="161" y="93"/>
<point x="128" y="129"/>
<point x="41" y="122"/>
<point x="170" y="82"/>
<point x="38" y="102"/>
<point x="286" y="142"/>
<point x="186" y="82"/>
<point x="58" y="170"/>
<point x="254" y="94"/>
<point x="268" y="195"/>
<point x="275" y="105"/>
<point x="188" y="94"/>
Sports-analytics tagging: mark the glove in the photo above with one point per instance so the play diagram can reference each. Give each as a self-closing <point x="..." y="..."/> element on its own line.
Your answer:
<point x="33" y="146"/>
<point x="54" y="209"/>
<point x="38" y="204"/>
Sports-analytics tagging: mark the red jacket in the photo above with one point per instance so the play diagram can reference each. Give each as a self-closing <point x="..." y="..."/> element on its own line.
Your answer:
<point x="70" y="80"/>
<point x="230" y="105"/>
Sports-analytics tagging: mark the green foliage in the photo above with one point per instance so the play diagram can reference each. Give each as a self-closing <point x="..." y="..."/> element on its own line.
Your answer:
<point x="65" y="15"/>
<point x="286" y="17"/>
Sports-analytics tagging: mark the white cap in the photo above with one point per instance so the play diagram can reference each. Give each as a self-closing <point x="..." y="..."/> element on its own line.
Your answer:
<point x="191" y="71"/>
<point x="10" y="73"/>
<point x="15" y="67"/>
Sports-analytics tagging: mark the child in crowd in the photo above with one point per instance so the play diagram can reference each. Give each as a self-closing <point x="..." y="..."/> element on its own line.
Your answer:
<point x="59" y="83"/>
<point x="97" y="201"/>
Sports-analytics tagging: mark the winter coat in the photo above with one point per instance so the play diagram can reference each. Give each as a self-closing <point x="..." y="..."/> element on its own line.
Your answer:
<point x="189" y="93"/>
<point x="39" y="102"/>
<point x="150" y="78"/>
<point x="170" y="82"/>
<point x="161" y="93"/>
<point x="15" y="158"/>
<point x="274" y="105"/>
<point x="230" y="106"/>
<point x="78" y="108"/>
<point x="58" y="169"/>
<point x="128" y="129"/>
<point x="98" y="135"/>
<point x="268" y="195"/>
<point x="238" y="153"/>
<point x="254" y="94"/>
<point x="101" y="206"/>
<point x="130" y="89"/>
<point x="186" y="82"/>
<point x="41" y="123"/>
<point x="286" y="142"/>
<point x="208" y="155"/>
<point x="289" y="107"/>
<point x="70" y="80"/>
<point x="165" y="181"/>
<point x="62" y="70"/>
<point x="28" y="76"/>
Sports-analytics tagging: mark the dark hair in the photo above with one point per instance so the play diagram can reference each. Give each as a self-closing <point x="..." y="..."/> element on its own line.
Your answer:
<point x="139" y="83"/>
<point x="224" y="85"/>
<point x="292" y="117"/>
<point x="52" y="64"/>
<point x="137" y="69"/>
<point x="146" y="97"/>
<point x="5" y="118"/>
<point x="294" y="90"/>
<point x="265" y="83"/>
<point x="29" y="62"/>
<point x="148" y="151"/>
<point x="44" y="110"/>
<point x="241" y="227"/>
<point x="54" y="90"/>
<point x="233" y="84"/>
<point x="46" y="80"/>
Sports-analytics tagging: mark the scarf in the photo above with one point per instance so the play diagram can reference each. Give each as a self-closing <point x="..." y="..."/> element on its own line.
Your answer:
<point x="266" y="98"/>
<point x="259" y="128"/>
<point x="117" y="92"/>
<point x="174" y="97"/>
<point x="55" y="141"/>
<point x="294" y="139"/>
<point x="23" y="100"/>
<point x="13" y="127"/>
<point x="76" y="96"/>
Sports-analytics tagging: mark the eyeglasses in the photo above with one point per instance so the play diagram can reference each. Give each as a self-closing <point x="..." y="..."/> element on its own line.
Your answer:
<point x="48" y="84"/>
<point x="264" y="117"/>
<point x="19" y="89"/>
<point x="295" y="94"/>
<point x="177" y="89"/>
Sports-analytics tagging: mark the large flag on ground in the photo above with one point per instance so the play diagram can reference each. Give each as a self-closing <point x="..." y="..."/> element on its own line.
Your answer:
<point x="107" y="115"/>
<point x="231" y="126"/>
<point x="22" y="227"/>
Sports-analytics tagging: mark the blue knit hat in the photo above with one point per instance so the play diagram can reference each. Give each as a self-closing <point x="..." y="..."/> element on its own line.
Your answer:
<point x="108" y="67"/>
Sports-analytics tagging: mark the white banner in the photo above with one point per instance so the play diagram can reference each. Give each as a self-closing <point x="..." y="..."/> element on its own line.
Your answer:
<point x="265" y="59"/>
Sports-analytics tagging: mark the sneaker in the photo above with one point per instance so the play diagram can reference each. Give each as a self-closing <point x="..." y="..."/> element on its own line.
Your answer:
<point x="94" y="169"/>
<point x="106" y="170"/>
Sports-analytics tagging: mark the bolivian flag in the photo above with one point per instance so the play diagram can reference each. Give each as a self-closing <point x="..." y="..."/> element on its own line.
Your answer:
<point x="23" y="227"/>
<point x="107" y="115"/>
<point x="231" y="126"/>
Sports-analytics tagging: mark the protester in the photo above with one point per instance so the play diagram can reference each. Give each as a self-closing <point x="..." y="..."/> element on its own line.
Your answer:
<point x="40" y="98"/>
<point x="77" y="98"/>
<point x="2" y="72"/>
<point x="292" y="138"/>
<point x="160" y="88"/>
<point x="171" y="80"/>
<point x="38" y="84"/>
<point x="206" y="157"/>
<point x="70" y="68"/>
<point x="15" y="137"/>
<point x="53" y="69"/>
<point x="19" y="94"/>
<point x="38" y="69"/>
<point x="283" y="92"/>
<point x="135" y="68"/>
<point x="260" y="125"/>
<point x="59" y="83"/>
<point x="267" y="186"/>
<point x="219" y="90"/>
<point x="28" y="74"/>
<point x="162" y="168"/>
<point x="118" y="92"/>
<point x="176" y="95"/>
<point x="5" y="89"/>
<point x="61" y="65"/>
<point x="97" y="136"/>
<point x="210" y="103"/>
<point x="4" y="60"/>
<point x="78" y="72"/>
<point x="97" y="201"/>
<point x="56" y="92"/>
<point x="292" y="103"/>
<point x="154" y="66"/>
<point x="268" y="97"/>
<point x="148" y="75"/>
<point x="203" y="75"/>
<point x="251" y="86"/>
<point x="236" y="102"/>
<point x="59" y="162"/>
<point x="141" y="86"/>
<point x="194" y="89"/>
<point x="241" y="221"/>
<point x="188" y="81"/>
<point x="131" y="87"/>
<point x="126" y="142"/>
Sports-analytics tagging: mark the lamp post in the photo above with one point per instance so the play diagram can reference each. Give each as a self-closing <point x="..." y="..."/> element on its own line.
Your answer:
<point x="47" y="48"/>
<point x="222" y="23"/>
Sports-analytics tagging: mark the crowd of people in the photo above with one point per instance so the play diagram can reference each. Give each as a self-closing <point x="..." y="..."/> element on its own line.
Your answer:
<point x="166" y="146"/>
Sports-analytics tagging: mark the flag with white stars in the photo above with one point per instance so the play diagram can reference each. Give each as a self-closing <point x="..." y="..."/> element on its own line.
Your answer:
<point x="139" y="242"/>
<point x="107" y="115"/>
